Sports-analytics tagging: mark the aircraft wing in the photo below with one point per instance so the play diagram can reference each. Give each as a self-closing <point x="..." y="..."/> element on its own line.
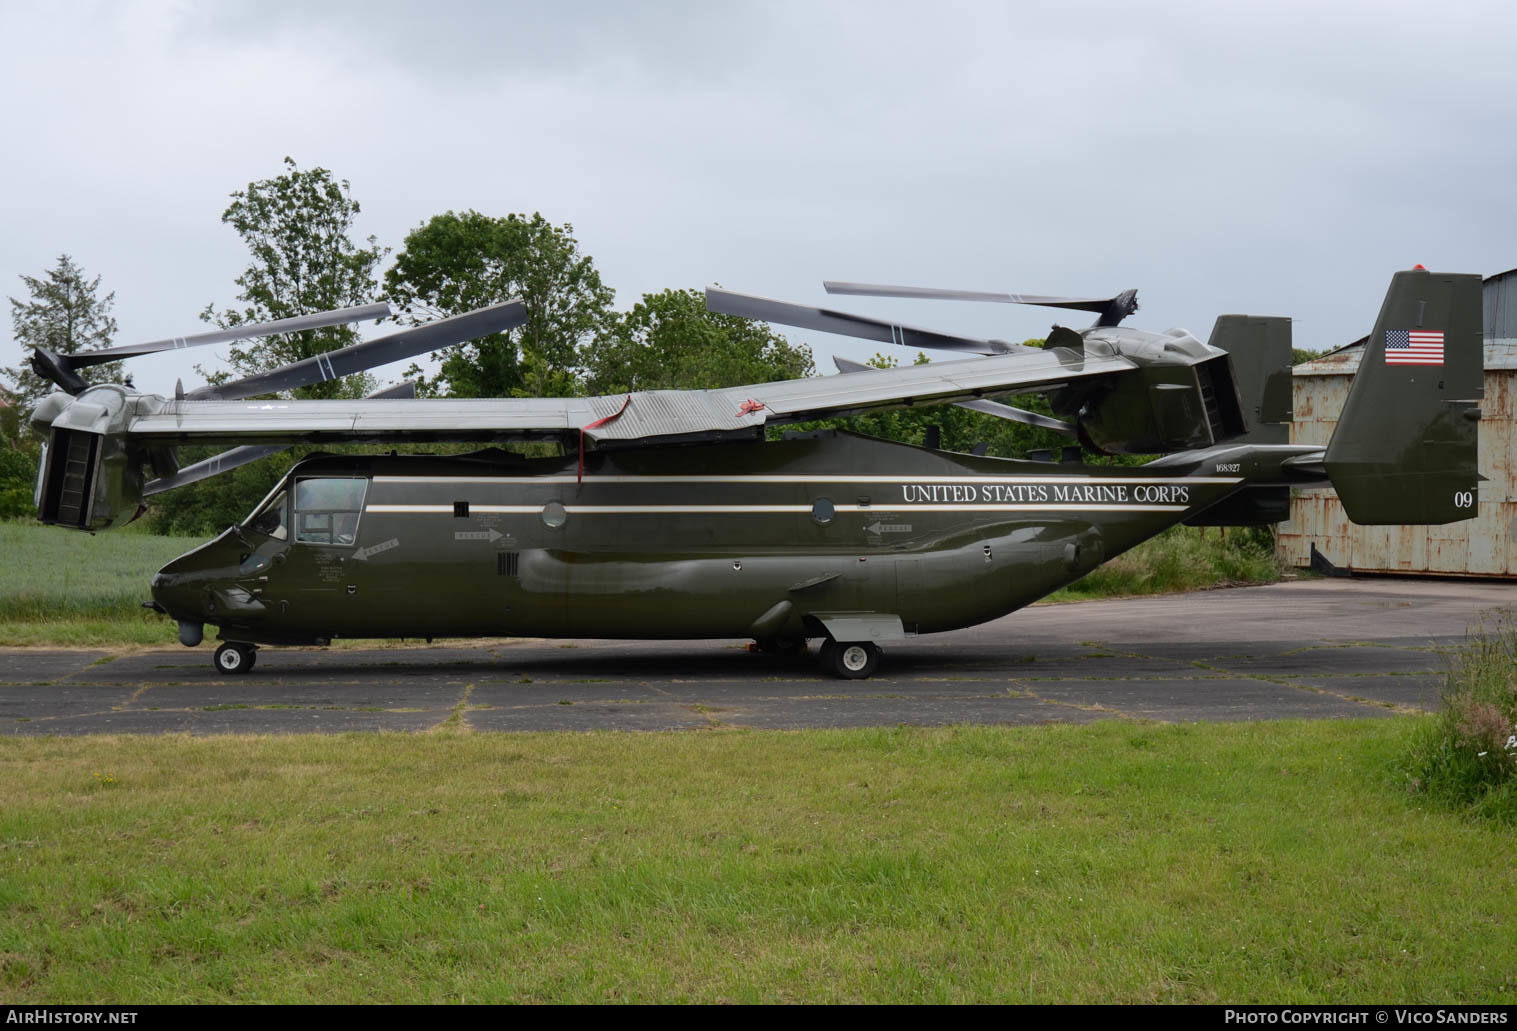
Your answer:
<point x="648" y="414"/>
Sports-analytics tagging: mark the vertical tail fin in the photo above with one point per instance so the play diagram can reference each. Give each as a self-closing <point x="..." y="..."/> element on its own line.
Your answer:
<point x="1404" y="450"/>
<point x="1260" y="347"/>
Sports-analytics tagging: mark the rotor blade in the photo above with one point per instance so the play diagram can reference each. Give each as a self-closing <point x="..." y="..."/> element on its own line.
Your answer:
<point x="995" y="408"/>
<point x="405" y="391"/>
<point x="213" y="466"/>
<point x="239" y="456"/>
<point x="870" y="290"/>
<point x="1022" y="415"/>
<point x="1114" y="309"/>
<point x="729" y="302"/>
<point x="316" y="320"/>
<point x="371" y="353"/>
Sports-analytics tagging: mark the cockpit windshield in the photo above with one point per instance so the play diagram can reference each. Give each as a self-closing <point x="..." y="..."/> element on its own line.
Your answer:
<point x="327" y="509"/>
<point x="270" y="518"/>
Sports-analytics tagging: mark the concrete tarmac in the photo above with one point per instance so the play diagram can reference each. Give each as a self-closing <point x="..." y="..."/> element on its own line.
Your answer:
<point x="1315" y="649"/>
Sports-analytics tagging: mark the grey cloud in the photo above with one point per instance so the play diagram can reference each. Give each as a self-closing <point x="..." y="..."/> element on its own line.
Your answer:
<point x="1279" y="158"/>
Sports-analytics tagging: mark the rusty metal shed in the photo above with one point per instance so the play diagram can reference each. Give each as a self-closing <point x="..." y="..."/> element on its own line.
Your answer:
<point x="1485" y="546"/>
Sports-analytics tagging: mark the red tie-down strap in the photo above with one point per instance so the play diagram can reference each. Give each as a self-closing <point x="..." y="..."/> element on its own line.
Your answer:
<point x="596" y="425"/>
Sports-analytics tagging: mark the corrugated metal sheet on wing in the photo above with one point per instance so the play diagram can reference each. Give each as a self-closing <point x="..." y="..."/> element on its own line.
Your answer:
<point x="657" y="413"/>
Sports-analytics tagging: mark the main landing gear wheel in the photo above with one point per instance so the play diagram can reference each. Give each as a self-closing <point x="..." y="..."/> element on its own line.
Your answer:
<point x="234" y="658"/>
<point x="850" y="660"/>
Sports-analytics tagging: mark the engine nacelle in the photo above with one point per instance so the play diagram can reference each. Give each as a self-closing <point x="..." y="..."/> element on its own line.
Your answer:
<point x="89" y="479"/>
<point x="1182" y="394"/>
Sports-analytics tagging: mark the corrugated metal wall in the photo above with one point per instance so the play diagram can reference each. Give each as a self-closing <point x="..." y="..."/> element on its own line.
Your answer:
<point x="1483" y="546"/>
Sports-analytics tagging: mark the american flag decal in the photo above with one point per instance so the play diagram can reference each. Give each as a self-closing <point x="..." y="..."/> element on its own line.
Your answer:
<point x="1413" y="347"/>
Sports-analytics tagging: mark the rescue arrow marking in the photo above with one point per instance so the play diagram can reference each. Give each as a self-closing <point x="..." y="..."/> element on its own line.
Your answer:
<point x="363" y="554"/>
<point x="478" y="535"/>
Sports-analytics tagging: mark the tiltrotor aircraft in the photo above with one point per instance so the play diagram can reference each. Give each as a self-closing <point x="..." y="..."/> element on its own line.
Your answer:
<point x="672" y="515"/>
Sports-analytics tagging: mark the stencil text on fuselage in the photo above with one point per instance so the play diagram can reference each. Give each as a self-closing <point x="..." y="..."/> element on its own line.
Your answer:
<point x="1055" y="493"/>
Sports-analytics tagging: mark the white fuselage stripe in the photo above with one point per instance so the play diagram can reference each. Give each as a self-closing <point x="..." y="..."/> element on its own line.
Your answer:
<point x="528" y="481"/>
<point x="893" y="510"/>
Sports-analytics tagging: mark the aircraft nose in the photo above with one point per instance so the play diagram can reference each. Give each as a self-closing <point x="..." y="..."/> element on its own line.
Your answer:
<point x="180" y="594"/>
<point x="172" y="593"/>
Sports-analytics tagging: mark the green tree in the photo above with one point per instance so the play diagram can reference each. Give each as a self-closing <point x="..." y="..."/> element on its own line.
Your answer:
<point x="297" y="227"/>
<point x="19" y="453"/>
<point x="18" y="472"/>
<point x="669" y="341"/>
<point x="63" y="312"/>
<point x="454" y="263"/>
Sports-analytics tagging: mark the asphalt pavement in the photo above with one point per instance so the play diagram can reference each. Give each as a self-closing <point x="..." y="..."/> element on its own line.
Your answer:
<point x="1313" y="649"/>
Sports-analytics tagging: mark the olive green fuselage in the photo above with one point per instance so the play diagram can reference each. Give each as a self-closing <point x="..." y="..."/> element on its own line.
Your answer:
<point x="754" y="539"/>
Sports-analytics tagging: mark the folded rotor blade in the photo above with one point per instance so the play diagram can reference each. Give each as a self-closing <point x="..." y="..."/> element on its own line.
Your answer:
<point x="404" y="391"/>
<point x="729" y="302"/>
<point x="1111" y="309"/>
<point x="316" y="320"/>
<point x="213" y="466"/>
<point x="870" y="290"/>
<point x="345" y="361"/>
<point x="995" y="408"/>
<point x="239" y="456"/>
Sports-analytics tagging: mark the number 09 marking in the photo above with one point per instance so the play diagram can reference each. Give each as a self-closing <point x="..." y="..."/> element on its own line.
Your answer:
<point x="1464" y="499"/>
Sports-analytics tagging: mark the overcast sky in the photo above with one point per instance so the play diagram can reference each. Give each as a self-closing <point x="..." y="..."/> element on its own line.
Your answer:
<point x="1270" y="158"/>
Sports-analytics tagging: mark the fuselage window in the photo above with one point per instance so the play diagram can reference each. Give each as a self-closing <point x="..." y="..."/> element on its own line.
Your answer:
<point x="271" y="521"/>
<point x="327" y="509"/>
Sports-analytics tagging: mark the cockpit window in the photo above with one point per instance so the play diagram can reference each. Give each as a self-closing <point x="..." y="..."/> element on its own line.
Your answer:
<point x="271" y="519"/>
<point x="327" y="509"/>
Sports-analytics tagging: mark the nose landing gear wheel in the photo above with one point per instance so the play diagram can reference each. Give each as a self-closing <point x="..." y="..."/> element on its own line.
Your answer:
<point x="234" y="658"/>
<point x="850" y="660"/>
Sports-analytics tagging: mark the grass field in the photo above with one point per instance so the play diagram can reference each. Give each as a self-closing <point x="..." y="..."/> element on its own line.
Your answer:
<point x="1104" y="863"/>
<point x="1182" y="558"/>
<point x="63" y="588"/>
